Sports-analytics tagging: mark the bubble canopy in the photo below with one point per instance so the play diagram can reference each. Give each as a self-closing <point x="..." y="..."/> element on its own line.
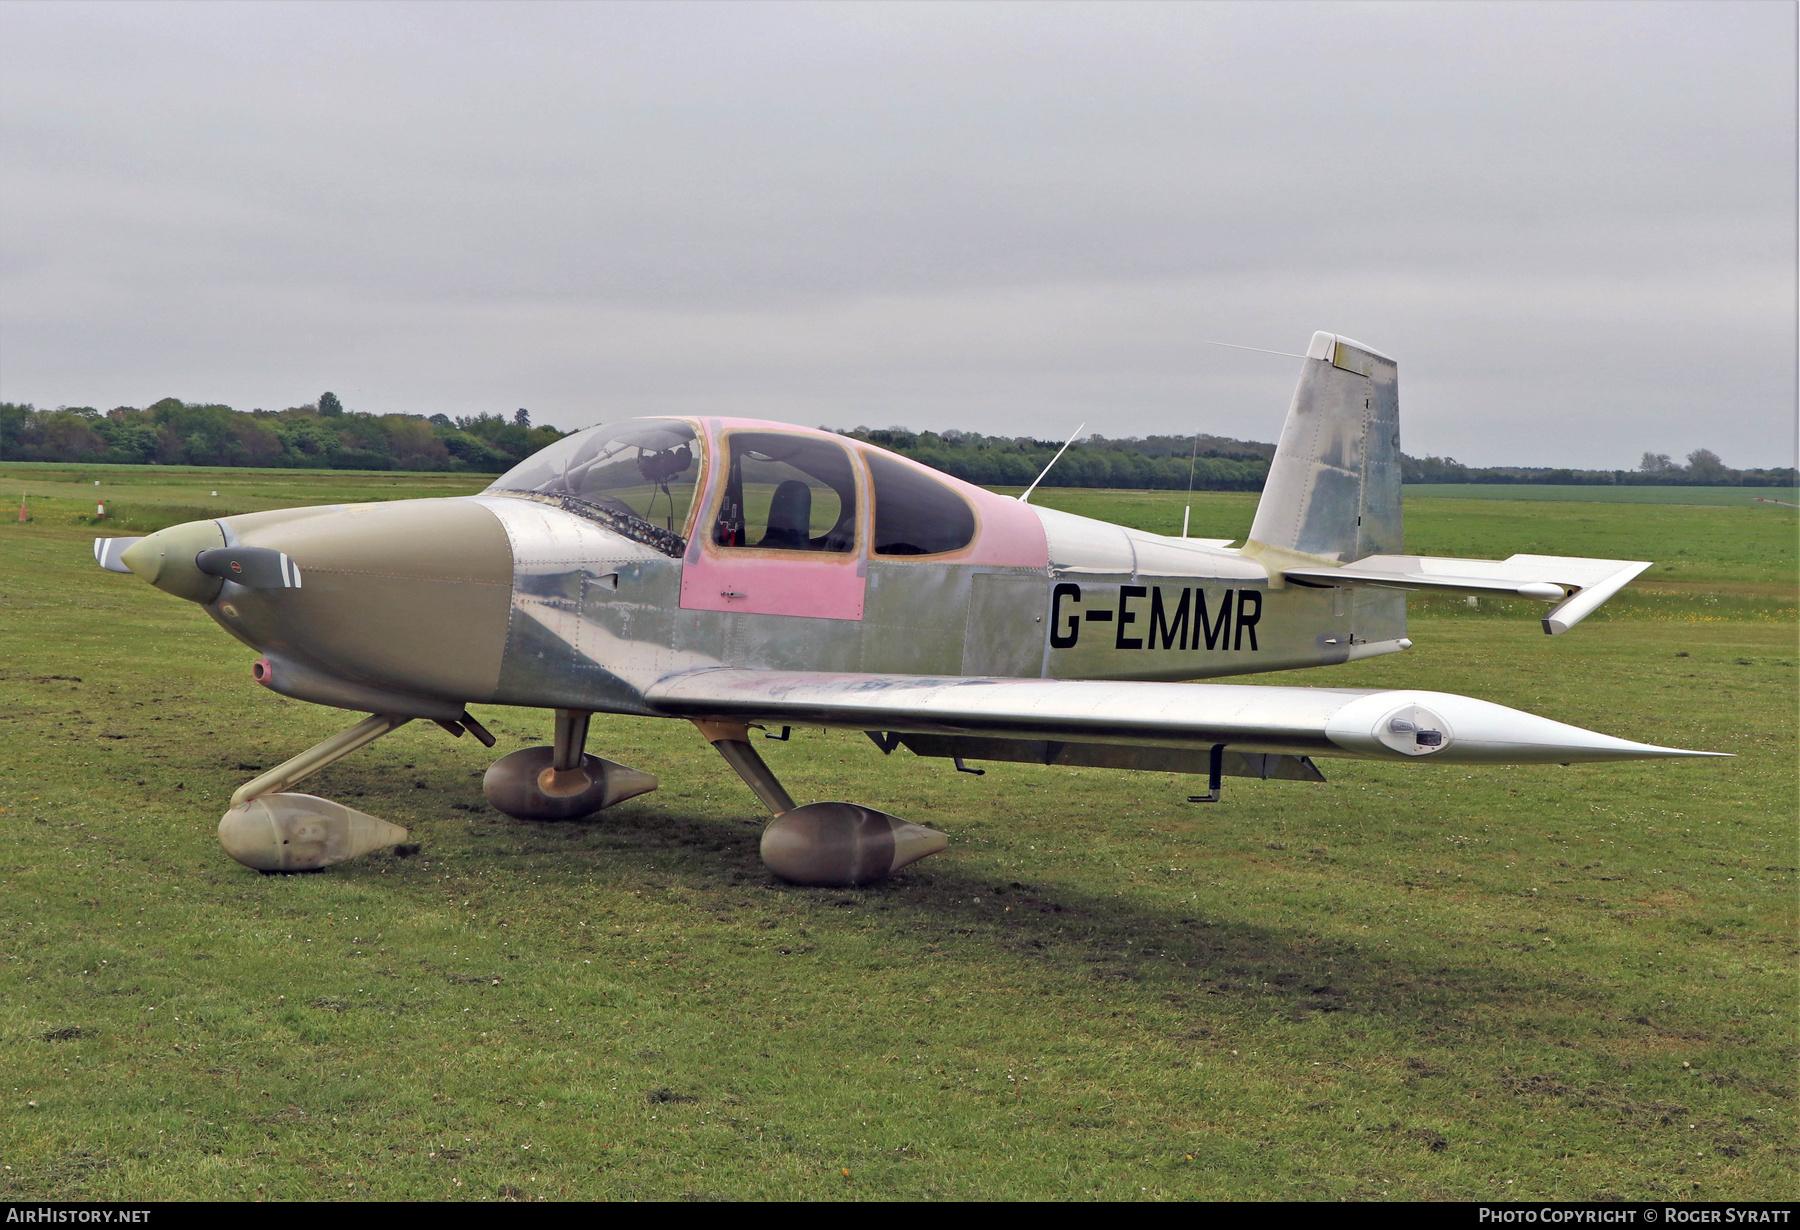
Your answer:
<point x="641" y="469"/>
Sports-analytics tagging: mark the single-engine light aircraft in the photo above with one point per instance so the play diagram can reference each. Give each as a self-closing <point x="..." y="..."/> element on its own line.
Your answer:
<point x="736" y="574"/>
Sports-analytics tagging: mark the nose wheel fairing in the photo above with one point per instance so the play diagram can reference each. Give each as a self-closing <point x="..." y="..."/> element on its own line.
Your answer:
<point x="301" y="832"/>
<point x="271" y="830"/>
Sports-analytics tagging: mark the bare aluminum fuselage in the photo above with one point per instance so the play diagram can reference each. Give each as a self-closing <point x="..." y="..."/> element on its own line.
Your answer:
<point x="504" y="599"/>
<point x="596" y="618"/>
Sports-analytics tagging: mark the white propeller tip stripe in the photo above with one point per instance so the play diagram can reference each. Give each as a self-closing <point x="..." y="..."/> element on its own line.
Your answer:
<point x="108" y="550"/>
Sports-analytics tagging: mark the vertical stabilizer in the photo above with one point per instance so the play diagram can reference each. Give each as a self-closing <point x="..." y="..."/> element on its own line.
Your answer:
<point x="1334" y="487"/>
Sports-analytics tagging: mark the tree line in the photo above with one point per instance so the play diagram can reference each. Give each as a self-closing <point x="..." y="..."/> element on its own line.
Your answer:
<point x="1223" y="464"/>
<point x="1133" y="463"/>
<point x="325" y="435"/>
<point x="319" y="435"/>
<point x="1703" y="469"/>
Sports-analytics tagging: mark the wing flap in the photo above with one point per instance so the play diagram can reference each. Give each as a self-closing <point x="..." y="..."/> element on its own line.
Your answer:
<point x="1578" y="586"/>
<point x="1263" y="765"/>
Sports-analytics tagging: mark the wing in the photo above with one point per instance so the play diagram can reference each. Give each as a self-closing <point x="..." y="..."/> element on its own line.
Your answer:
<point x="1360" y="723"/>
<point x="1577" y="586"/>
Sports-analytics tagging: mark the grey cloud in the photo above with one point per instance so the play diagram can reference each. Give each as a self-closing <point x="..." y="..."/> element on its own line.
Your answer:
<point x="1573" y="224"/>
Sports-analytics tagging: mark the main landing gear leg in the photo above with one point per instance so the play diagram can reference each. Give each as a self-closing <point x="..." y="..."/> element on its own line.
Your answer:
<point x="561" y="782"/>
<point x="275" y="831"/>
<point x="838" y="845"/>
<point x="732" y="741"/>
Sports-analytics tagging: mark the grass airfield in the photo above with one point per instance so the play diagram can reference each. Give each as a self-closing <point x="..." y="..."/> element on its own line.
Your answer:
<point x="1575" y="493"/>
<point x="1412" y="982"/>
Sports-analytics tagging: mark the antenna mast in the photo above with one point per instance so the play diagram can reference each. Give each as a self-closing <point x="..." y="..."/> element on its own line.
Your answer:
<point x="1025" y="496"/>
<point x="1186" y="512"/>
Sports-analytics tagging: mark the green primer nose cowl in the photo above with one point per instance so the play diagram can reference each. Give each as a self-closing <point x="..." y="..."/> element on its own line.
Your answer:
<point x="166" y="560"/>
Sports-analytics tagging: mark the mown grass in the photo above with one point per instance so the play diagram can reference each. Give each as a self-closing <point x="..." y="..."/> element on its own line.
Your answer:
<point x="1576" y="494"/>
<point x="144" y="499"/>
<point x="1412" y="981"/>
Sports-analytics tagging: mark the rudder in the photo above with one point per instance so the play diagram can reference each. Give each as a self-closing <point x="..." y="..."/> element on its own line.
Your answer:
<point x="1333" y="489"/>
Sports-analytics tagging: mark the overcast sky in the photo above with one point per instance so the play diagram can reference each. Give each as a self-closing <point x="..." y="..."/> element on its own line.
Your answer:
<point x="1572" y="224"/>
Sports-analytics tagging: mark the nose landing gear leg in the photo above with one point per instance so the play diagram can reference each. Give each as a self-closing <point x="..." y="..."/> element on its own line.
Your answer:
<point x="837" y="845"/>
<point x="274" y="831"/>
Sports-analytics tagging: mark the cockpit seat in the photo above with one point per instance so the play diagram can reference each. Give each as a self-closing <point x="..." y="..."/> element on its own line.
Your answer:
<point x="790" y="517"/>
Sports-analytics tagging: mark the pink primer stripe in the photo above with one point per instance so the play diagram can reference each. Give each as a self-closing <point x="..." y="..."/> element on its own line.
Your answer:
<point x="765" y="584"/>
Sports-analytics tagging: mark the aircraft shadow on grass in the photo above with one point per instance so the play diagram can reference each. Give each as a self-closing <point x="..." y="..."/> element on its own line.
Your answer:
<point x="1074" y="937"/>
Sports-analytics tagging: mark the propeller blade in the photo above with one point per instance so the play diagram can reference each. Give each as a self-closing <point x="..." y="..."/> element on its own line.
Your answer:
<point x="108" y="550"/>
<point x="251" y="567"/>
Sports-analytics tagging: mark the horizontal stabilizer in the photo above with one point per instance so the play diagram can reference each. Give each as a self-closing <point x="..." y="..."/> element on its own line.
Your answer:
<point x="1578" y="586"/>
<point x="1379" y="725"/>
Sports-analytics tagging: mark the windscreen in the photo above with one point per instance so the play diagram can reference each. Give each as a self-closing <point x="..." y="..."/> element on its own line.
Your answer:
<point x="644" y="469"/>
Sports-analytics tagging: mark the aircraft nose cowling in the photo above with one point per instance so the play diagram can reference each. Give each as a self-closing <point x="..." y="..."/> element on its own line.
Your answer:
<point x="413" y="594"/>
<point x="166" y="559"/>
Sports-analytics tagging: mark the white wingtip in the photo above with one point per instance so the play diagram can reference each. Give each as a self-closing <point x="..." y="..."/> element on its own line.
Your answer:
<point x="1464" y="730"/>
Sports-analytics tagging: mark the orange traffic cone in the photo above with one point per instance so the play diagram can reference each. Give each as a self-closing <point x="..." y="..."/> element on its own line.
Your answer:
<point x="22" y="516"/>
